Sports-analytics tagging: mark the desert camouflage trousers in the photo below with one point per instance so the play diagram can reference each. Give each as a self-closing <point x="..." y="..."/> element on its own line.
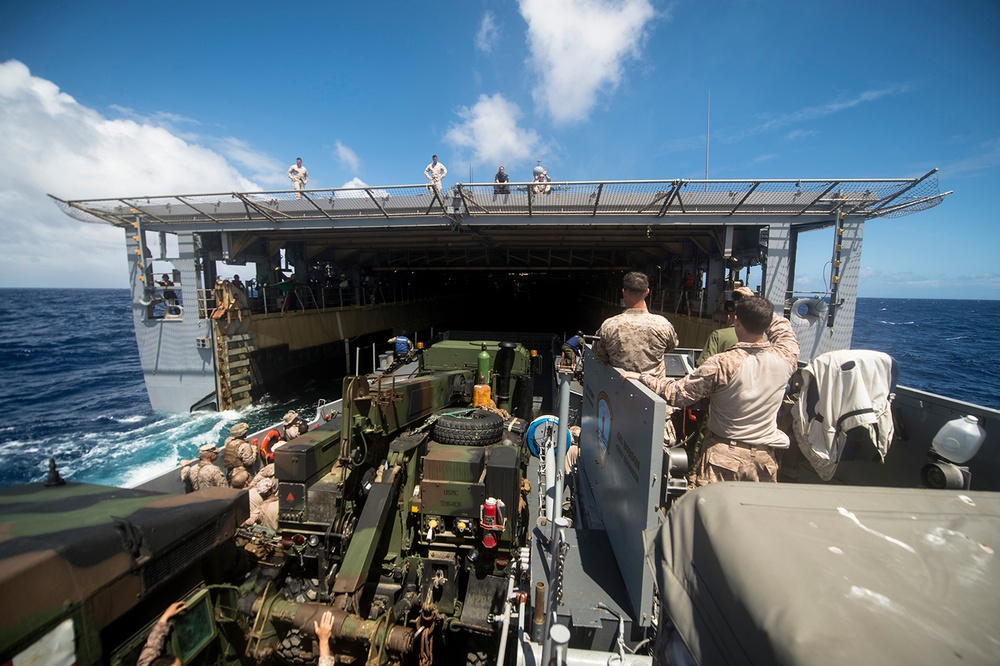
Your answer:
<point x="721" y="461"/>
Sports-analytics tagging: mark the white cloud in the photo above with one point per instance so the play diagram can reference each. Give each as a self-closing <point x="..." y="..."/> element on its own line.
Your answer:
<point x="158" y="118"/>
<point x="361" y="194"/>
<point x="488" y="34"/>
<point x="809" y="113"/>
<point x="355" y="182"/>
<point x="904" y="284"/>
<point x="578" y="49"/>
<point x="984" y="157"/>
<point x="797" y="134"/>
<point x="260" y="168"/>
<point x="347" y="157"/>
<point x="489" y="130"/>
<point x="49" y="143"/>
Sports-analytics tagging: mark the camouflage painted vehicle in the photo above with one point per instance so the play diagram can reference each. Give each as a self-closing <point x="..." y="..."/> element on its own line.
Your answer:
<point x="402" y="514"/>
<point x="83" y="567"/>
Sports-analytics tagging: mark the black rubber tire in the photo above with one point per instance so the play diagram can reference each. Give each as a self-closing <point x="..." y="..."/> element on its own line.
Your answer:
<point x="472" y="428"/>
<point x="295" y="650"/>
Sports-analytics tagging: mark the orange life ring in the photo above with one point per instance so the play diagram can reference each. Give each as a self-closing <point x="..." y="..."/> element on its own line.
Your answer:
<point x="270" y="438"/>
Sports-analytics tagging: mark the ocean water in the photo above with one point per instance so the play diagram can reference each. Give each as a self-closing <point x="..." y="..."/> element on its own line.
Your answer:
<point x="72" y="387"/>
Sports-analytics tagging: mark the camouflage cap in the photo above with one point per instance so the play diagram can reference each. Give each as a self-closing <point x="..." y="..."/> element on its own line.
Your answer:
<point x="266" y="485"/>
<point x="289" y="418"/>
<point x="206" y="447"/>
<point x="239" y="430"/>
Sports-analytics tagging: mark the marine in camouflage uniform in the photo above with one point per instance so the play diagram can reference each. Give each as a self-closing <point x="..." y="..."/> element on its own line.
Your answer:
<point x="745" y="385"/>
<point x="267" y="471"/>
<point x="202" y="473"/>
<point x="263" y="504"/>
<point x="293" y="425"/>
<point x="239" y="456"/>
<point x="158" y="636"/>
<point x="636" y="340"/>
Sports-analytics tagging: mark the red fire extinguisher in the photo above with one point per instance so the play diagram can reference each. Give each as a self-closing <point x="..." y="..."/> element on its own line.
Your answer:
<point x="491" y="521"/>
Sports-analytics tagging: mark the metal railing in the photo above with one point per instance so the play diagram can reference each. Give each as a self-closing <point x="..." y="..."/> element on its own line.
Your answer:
<point x="642" y="198"/>
<point x="270" y="298"/>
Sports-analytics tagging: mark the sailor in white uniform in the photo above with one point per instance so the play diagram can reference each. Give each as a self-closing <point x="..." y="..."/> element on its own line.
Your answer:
<point x="435" y="173"/>
<point x="299" y="177"/>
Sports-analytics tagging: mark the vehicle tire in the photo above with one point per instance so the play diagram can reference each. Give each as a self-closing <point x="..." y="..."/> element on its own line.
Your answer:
<point x="468" y="428"/>
<point x="295" y="650"/>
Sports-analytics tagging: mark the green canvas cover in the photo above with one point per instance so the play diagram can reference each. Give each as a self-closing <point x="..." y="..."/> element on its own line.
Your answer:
<point x="809" y="574"/>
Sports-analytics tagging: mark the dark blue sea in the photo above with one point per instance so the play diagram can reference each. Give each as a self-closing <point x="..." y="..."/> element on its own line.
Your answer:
<point x="72" y="387"/>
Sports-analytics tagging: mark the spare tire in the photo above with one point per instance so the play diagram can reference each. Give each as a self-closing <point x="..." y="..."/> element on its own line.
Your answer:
<point x="472" y="427"/>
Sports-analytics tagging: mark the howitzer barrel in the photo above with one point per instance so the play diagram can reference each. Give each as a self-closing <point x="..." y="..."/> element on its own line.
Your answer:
<point x="346" y="626"/>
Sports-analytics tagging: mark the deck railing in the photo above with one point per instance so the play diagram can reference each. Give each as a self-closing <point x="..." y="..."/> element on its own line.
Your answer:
<point x="642" y="198"/>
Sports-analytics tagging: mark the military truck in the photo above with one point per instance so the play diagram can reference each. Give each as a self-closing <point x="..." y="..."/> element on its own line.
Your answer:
<point x="403" y="513"/>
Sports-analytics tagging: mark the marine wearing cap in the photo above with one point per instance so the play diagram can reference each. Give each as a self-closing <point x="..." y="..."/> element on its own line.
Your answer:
<point x="294" y="426"/>
<point x="204" y="474"/>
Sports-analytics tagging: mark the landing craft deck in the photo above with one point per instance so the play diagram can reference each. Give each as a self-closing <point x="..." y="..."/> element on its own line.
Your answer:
<point x="422" y="524"/>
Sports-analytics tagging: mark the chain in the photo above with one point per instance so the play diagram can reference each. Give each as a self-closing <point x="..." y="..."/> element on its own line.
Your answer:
<point x="427" y="624"/>
<point x="560" y="570"/>
<point x="541" y="483"/>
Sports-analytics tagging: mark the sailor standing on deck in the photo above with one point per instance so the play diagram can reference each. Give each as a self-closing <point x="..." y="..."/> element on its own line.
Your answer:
<point x="401" y="346"/>
<point x="204" y="474"/>
<point x="637" y="339"/>
<point x="745" y="385"/>
<point x="239" y="456"/>
<point x="299" y="177"/>
<point x="435" y="173"/>
<point x="501" y="187"/>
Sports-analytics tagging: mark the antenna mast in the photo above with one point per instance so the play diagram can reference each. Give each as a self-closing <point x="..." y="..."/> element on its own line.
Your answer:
<point x="708" y="135"/>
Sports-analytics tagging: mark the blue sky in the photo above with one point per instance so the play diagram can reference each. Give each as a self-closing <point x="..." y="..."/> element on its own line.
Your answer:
<point x="102" y="99"/>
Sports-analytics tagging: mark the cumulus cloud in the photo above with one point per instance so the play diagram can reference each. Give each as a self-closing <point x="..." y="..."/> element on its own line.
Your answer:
<point x="489" y="131"/>
<point x="49" y="143"/>
<point x="578" y="48"/>
<point x="354" y="182"/>
<point x="347" y="157"/>
<point x="488" y="34"/>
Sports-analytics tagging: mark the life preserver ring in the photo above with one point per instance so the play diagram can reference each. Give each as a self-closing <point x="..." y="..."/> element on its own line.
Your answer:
<point x="272" y="437"/>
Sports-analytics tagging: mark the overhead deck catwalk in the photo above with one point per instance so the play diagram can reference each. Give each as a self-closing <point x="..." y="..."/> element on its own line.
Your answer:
<point x="573" y="229"/>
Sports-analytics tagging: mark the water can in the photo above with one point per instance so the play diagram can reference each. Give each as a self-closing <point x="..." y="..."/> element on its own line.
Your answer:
<point x="959" y="440"/>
